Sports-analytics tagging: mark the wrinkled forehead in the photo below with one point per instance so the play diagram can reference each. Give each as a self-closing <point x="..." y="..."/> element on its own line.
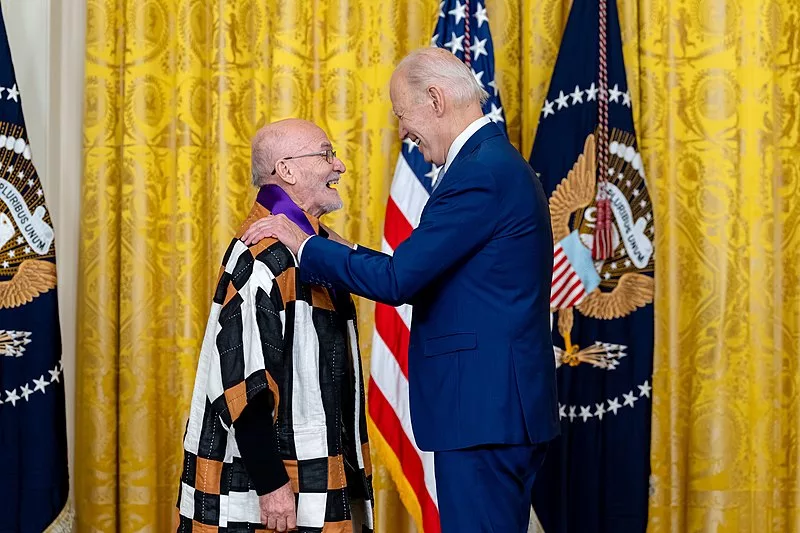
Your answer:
<point x="398" y="83"/>
<point x="398" y="90"/>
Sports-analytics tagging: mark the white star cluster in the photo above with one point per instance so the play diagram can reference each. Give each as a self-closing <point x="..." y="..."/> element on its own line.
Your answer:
<point x="610" y="407"/>
<point x="27" y="394"/>
<point x="573" y="97"/>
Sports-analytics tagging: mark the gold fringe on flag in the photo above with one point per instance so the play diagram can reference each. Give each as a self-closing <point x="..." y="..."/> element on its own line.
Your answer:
<point x="388" y="459"/>
<point x="64" y="522"/>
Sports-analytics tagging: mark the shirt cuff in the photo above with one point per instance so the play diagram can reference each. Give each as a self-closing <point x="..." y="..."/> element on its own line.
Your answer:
<point x="300" y="250"/>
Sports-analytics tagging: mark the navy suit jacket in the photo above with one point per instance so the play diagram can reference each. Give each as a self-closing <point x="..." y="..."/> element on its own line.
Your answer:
<point x="477" y="271"/>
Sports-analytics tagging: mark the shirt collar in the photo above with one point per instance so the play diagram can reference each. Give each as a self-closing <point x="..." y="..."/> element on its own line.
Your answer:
<point x="460" y="141"/>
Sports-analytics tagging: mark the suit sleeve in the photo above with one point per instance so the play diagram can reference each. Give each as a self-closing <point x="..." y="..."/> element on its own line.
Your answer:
<point x="455" y="224"/>
<point x="370" y="251"/>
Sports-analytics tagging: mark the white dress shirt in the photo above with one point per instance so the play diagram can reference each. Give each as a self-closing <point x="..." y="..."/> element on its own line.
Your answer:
<point x="458" y="144"/>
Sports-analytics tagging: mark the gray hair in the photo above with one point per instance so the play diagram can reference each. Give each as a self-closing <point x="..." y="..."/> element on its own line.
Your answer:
<point x="258" y="170"/>
<point x="262" y="155"/>
<point x="436" y="66"/>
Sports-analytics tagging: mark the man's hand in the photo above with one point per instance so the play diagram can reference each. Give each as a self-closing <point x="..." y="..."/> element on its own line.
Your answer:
<point x="279" y="227"/>
<point x="277" y="509"/>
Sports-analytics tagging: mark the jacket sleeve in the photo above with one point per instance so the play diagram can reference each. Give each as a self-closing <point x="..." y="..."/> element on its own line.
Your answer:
<point x="257" y="442"/>
<point x="250" y="334"/>
<point x="457" y="222"/>
<point x="370" y="251"/>
<point x="249" y="330"/>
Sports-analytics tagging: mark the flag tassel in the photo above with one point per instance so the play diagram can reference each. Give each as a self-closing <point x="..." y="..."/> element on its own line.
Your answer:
<point x="601" y="246"/>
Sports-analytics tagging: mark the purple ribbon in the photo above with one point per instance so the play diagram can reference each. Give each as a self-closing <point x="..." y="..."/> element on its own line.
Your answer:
<point x="278" y="202"/>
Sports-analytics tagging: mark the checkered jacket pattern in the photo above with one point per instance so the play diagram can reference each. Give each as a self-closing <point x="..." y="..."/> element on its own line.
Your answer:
<point x="267" y="330"/>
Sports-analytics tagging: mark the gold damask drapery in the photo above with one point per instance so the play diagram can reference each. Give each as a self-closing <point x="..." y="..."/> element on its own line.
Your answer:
<point x="175" y="89"/>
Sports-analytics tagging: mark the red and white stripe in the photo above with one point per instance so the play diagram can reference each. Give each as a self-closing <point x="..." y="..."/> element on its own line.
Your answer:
<point x="567" y="289"/>
<point x="388" y="385"/>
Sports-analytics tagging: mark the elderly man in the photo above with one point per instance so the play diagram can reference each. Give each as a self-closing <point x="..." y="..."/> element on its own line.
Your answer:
<point x="277" y="434"/>
<point x="477" y="270"/>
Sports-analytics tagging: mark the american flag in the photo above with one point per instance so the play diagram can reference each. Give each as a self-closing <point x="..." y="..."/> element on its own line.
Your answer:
<point x="574" y="274"/>
<point x="567" y="289"/>
<point x="463" y="28"/>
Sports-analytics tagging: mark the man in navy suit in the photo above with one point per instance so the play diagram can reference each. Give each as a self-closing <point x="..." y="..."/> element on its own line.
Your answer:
<point x="477" y="270"/>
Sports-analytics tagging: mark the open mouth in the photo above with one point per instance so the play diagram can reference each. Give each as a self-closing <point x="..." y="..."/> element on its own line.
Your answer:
<point x="331" y="184"/>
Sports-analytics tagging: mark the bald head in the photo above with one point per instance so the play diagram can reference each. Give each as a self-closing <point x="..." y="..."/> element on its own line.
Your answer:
<point x="277" y="140"/>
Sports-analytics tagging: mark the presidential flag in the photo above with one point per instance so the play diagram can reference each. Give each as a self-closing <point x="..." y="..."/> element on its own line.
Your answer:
<point x="34" y="486"/>
<point x="596" y="476"/>
<point x="463" y="28"/>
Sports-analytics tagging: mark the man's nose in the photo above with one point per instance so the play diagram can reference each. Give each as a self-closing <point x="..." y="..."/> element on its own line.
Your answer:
<point x="403" y="131"/>
<point x="338" y="166"/>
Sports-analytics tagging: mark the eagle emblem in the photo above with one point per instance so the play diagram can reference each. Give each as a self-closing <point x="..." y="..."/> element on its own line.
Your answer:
<point x="618" y="285"/>
<point x="27" y="267"/>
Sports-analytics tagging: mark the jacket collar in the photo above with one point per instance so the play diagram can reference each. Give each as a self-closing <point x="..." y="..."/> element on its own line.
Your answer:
<point x="486" y="132"/>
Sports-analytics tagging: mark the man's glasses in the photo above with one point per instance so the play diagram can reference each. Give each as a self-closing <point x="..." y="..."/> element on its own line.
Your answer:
<point x="329" y="156"/>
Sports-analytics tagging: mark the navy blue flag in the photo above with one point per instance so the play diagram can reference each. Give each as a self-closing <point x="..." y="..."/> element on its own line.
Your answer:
<point x="34" y="485"/>
<point x="596" y="475"/>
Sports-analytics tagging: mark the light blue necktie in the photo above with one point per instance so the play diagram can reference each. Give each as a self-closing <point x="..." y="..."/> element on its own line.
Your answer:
<point x="439" y="176"/>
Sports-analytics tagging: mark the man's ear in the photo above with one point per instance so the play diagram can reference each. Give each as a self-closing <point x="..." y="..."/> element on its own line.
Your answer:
<point x="285" y="173"/>
<point x="437" y="98"/>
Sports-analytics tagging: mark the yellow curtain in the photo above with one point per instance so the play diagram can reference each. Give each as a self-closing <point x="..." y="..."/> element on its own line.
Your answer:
<point x="719" y="124"/>
<point x="716" y="92"/>
<point x="176" y="88"/>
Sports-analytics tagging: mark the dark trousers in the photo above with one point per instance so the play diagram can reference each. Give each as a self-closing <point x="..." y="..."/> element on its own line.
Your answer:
<point x="487" y="489"/>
